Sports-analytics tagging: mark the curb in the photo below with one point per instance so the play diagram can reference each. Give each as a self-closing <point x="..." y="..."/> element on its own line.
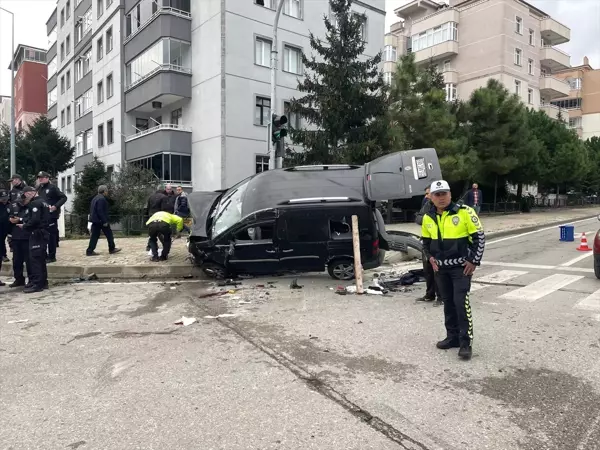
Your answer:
<point x="499" y="234"/>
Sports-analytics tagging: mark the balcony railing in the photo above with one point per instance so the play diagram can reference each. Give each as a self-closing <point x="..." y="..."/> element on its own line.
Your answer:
<point x="557" y="49"/>
<point x="165" y="126"/>
<point x="159" y="68"/>
<point x="161" y="10"/>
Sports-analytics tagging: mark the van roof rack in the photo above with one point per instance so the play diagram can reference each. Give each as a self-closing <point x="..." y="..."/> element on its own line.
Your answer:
<point x="294" y="201"/>
<point x="324" y="167"/>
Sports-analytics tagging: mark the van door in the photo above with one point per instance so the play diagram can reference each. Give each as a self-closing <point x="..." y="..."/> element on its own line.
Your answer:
<point x="303" y="241"/>
<point x="401" y="175"/>
<point x="255" y="249"/>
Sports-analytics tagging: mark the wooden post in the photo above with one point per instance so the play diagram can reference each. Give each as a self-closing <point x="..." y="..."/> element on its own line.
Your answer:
<point x="358" y="273"/>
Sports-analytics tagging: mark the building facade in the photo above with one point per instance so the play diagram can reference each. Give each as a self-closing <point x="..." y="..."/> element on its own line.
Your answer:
<point x="5" y="112"/>
<point x="474" y="40"/>
<point x="182" y="86"/>
<point x="31" y="73"/>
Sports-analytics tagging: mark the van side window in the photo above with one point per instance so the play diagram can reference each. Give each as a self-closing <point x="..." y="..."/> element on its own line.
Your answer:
<point x="340" y="229"/>
<point x="306" y="229"/>
<point x="260" y="232"/>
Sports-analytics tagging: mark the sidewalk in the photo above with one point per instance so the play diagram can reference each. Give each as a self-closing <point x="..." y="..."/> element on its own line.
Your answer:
<point x="133" y="261"/>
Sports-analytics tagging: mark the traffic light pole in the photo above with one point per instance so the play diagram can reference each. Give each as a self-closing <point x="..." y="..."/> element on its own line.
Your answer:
<point x="274" y="163"/>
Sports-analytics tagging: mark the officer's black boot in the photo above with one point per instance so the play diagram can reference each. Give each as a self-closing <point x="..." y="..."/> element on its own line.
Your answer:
<point x="465" y="352"/>
<point x="17" y="283"/>
<point x="32" y="289"/>
<point x="2" y="283"/>
<point x="448" y="343"/>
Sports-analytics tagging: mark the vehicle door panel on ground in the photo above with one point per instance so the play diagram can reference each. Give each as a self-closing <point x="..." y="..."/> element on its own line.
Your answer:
<point x="303" y="245"/>
<point x="254" y="248"/>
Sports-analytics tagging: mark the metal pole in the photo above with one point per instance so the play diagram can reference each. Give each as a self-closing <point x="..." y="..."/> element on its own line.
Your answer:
<point x="13" y="164"/>
<point x="272" y="160"/>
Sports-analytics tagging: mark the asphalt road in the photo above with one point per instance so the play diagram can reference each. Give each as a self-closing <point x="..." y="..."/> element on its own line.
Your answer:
<point x="101" y="366"/>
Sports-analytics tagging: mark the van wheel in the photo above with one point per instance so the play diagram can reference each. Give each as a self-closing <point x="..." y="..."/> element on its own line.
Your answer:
<point x="341" y="269"/>
<point x="214" y="271"/>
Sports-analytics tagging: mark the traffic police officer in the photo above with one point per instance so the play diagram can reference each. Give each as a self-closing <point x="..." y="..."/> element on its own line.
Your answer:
<point x="19" y="243"/>
<point x="55" y="199"/>
<point x="36" y="222"/>
<point x="453" y="242"/>
<point x="16" y="191"/>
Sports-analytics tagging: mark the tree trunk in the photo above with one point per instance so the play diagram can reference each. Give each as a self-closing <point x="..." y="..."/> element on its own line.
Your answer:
<point x="557" y="201"/>
<point x="519" y="192"/>
<point x="495" y="192"/>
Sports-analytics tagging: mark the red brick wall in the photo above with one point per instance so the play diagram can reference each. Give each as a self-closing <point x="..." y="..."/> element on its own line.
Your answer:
<point x="30" y="88"/>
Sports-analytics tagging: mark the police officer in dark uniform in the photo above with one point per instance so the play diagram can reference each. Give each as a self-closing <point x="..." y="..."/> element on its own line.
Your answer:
<point x="17" y="188"/>
<point x="54" y="198"/>
<point x="36" y="222"/>
<point x="4" y="224"/>
<point x="19" y="243"/>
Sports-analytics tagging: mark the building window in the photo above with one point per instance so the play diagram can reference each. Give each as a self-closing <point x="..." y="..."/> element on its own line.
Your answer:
<point x="293" y="8"/>
<point x="78" y="32"/>
<point x="62" y="118"/>
<point x="261" y="111"/>
<point x="570" y="103"/>
<point x="574" y="83"/>
<point x="575" y="122"/>
<point x="292" y="60"/>
<point x="100" y="7"/>
<point x="109" y="86"/>
<point x="99" y="49"/>
<point x="262" y="163"/>
<point x="108" y="3"/>
<point x="68" y="115"/>
<point x="262" y="52"/>
<point x="62" y="52"/>
<point x="110" y="170"/>
<point x="68" y="7"/>
<point x="62" y="17"/>
<point x="52" y="37"/>
<point x="85" y="23"/>
<point x="52" y="97"/>
<point x="531" y="37"/>
<point x="141" y="124"/>
<point x="172" y="53"/>
<point x="63" y="184"/>
<point x="79" y="145"/>
<point x="100" y="135"/>
<point x="110" y="138"/>
<point x="363" y="25"/>
<point x="518" y="88"/>
<point x="62" y="84"/>
<point x="83" y="104"/>
<point x="109" y="40"/>
<point x="390" y="53"/>
<point x="450" y="92"/>
<point x="68" y="44"/>
<point x="387" y="78"/>
<point x="54" y="123"/>
<point x="169" y="167"/>
<point x="445" y="32"/>
<point x="530" y="66"/>
<point x="89" y="141"/>
<point x="52" y="67"/>
<point x="100" y="92"/>
<point x="82" y="65"/>
<point x="518" y="56"/>
<point x="293" y="118"/>
<point x="265" y="3"/>
<point x="530" y="96"/>
<point x="177" y="117"/>
<point x="69" y="186"/>
<point x="68" y="79"/>
<point x="519" y="25"/>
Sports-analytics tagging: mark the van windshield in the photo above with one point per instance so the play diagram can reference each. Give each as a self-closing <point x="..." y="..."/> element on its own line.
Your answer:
<point x="229" y="210"/>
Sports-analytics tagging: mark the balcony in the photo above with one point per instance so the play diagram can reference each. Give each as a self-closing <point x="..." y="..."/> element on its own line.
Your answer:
<point x="554" y="58"/>
<point x="439" y="51"/>
<point x="162" y="138"/>
<point x="450" y="76"/>
<point x="161" y="87"/>
<point x="82" y="161"/>
<point x="552" y="88"/>
<point x="552" y="111"/>
<point x="553" y="32"/>
<point x="434" y="20"/>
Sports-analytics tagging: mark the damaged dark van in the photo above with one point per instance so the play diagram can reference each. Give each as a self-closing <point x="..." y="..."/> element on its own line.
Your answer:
<point x="298" y="219"/>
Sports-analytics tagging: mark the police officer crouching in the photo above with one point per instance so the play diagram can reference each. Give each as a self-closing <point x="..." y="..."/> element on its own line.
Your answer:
<point x="453" y="241"/>
<point x="35" y="222"/>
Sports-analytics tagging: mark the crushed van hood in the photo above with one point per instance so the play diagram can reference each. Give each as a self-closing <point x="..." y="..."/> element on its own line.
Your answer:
<point x="201" y="204"/>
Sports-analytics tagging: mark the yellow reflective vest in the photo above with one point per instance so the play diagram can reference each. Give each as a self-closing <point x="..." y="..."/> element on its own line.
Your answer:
<point x="171" y="219"/>
<point x="453" y="237"/>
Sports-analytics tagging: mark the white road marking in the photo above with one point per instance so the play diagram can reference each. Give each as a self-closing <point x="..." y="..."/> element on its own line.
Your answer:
<point x="576" y="260"/>
<point x="542" y="287"/>
<point x="496" y="278"/>
<point x="537" y="266"/>
<point x="554" y="227"/>
<point x="590" y="303"/>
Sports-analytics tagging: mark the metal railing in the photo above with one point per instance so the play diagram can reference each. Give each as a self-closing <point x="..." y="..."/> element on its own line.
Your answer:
<point x="159" y="68"/>
<point x="557" y="49"/>
<point x="164" y="126"/>
<point x="161" y="10"/>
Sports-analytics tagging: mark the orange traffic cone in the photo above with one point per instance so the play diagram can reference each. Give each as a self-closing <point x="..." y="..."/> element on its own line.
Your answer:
<point x="583" y="246"/>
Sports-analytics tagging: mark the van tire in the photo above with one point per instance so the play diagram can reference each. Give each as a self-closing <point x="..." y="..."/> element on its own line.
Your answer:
<point x="215" y="271"/>
<point x="341" y="269"/>
<point x="402" y="242"/>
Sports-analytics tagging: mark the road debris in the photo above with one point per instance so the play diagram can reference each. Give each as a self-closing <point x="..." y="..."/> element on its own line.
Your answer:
<point x="185" y="321"/>
<point x="219" y="316"/>
<point x="294" y="284"/>
<point x="19" y="321"/>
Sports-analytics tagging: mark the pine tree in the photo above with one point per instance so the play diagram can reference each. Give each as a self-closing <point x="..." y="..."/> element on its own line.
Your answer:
<point x="93" y="175"/>
<point x="344" y="100"/>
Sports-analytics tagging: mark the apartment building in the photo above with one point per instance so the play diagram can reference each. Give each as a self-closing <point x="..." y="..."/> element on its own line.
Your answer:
<point x="31" y="73"/>
<point x="182" y="86"/>
<point x="472" y="41"/>
<point x="583" y="102"/>
<point x="5" y="112"/>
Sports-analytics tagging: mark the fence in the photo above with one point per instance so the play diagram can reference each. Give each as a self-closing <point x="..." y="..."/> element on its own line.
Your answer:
<point x="76" y="225"/>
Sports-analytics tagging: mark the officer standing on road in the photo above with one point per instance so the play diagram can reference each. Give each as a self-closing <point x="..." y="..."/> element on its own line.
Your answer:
<point x="36" y="222"/>
<point x="55" y="199"/>
<point x="5" y="225"/>
<point x="20" y="243"/>
<point x="453" y="241"/>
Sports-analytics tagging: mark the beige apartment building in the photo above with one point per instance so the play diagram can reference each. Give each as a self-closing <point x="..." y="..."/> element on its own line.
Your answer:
<point x="472" y="41"/>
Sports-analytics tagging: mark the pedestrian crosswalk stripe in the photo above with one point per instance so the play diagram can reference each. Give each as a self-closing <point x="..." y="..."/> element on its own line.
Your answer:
<point x="496" y="278"/>
<point x="542" y="287"/>
<point x="590" y="303"/>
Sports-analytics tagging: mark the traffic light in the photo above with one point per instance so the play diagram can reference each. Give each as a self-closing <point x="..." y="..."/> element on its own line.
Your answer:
<point x="278" y="129"/>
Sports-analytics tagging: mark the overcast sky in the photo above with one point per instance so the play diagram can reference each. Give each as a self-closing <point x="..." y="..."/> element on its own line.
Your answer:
<point x="582" y="16"/>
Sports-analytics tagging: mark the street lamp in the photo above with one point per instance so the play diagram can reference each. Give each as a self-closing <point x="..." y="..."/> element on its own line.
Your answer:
<point x="13" y="163"/>
<point x="273" y="164"/>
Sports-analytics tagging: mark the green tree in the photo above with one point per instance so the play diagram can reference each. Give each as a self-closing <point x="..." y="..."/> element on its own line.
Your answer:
<point x="86" y="187"/>
<point x="344" y="96"/>
<point x="21" y="154"/>
<point x="591" y="182"/>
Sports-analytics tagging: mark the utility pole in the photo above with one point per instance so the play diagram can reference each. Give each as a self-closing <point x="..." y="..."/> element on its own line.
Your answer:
<point x="274" y="162"/>
<point x="13" y="164"/>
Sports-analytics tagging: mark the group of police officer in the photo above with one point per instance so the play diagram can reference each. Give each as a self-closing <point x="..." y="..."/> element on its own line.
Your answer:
<point x="29" y="219"/>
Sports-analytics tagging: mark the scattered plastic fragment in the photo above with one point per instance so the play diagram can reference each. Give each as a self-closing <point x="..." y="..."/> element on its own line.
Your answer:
<point x="19" y="321"/>
<point x="185" y="321"/>
<point x="219" y="316"/>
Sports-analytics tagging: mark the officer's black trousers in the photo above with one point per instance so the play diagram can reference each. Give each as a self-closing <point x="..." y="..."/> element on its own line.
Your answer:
<point x="454" y="286"/>
<point x="20" y="257"/>
<point x="160" y="230"/>
<point x="38" y="277"/>
<point x="432" y="290"/>
<point x="3" y="234"/>
<point x="52" y="238"/>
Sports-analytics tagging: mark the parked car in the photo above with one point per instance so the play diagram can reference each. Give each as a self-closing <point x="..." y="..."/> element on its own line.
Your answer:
<point x="596" y="249"/>
<point x="299" y="219"/>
